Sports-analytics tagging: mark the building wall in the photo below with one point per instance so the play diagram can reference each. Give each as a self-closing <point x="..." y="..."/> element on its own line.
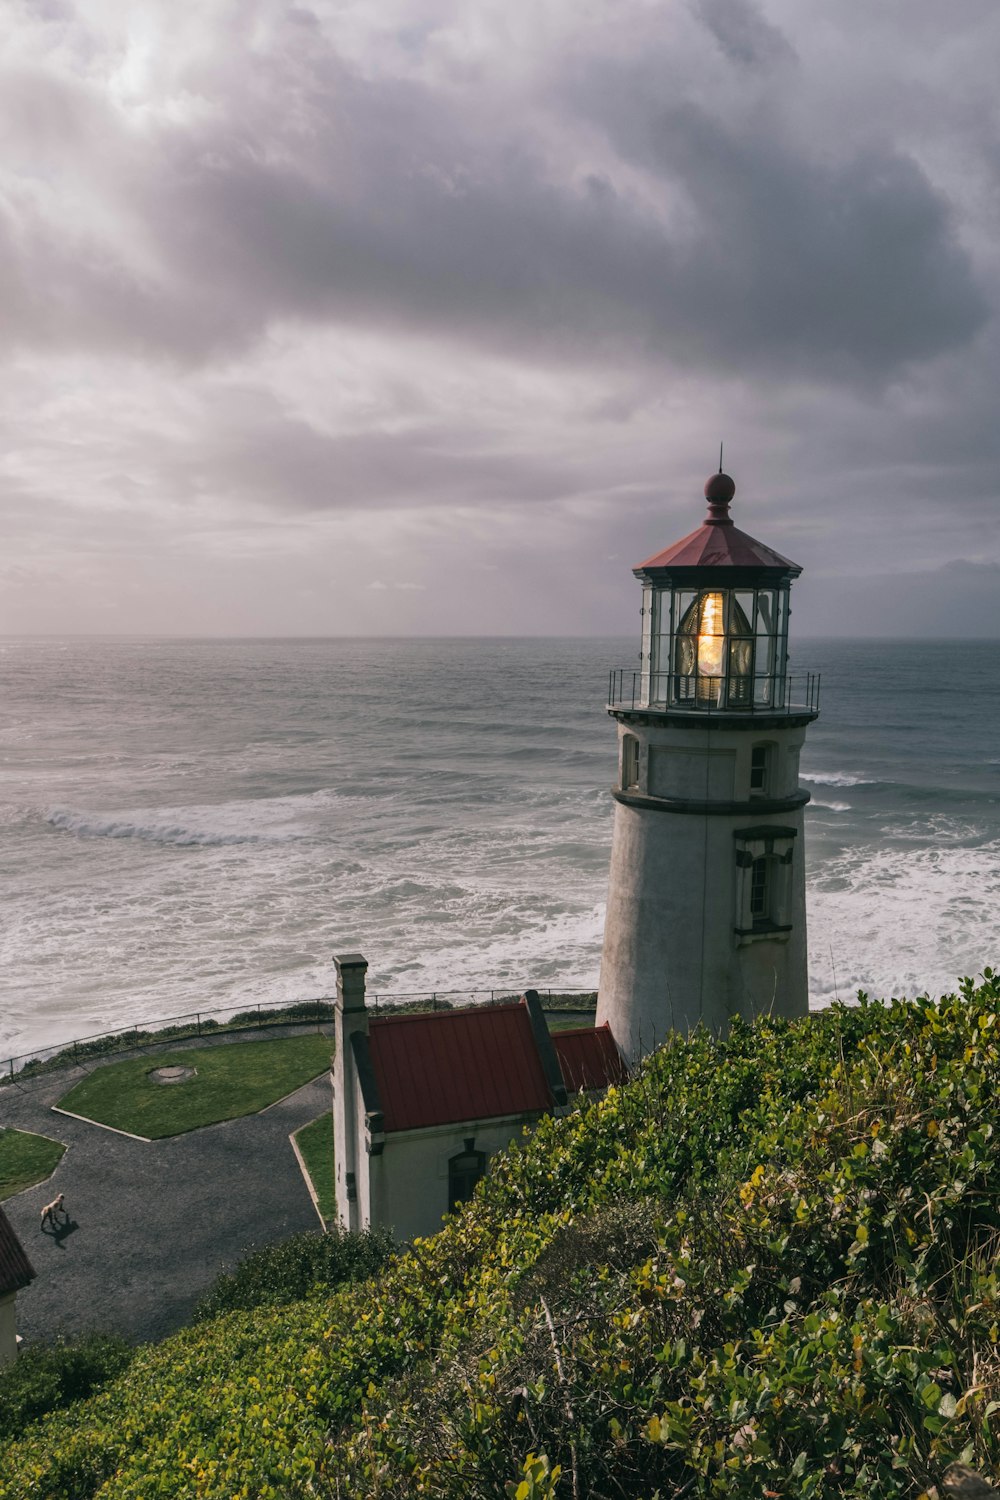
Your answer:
<point x="409" y="1181"/>
<point x="8" y="1330"/>
<point x="673" y="955"/>
<point x="348" y="1106"/>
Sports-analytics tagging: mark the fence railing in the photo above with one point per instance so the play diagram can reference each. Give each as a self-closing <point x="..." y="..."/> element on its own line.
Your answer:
<point x="249" y="1017"/>
<point x="670" y="692"/>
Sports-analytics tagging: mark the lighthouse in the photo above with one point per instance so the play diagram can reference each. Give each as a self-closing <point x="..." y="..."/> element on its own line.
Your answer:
<point x="706" y="914"/>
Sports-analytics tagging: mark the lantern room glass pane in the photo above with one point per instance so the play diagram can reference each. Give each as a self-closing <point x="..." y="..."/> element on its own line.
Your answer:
<point x="739" y="620"/>
<point x="743" y="601"/>
<point x="767" y="617"/>
<point x="766" y="655"/>
<point x="660" y="661"/>
<point x="740" y="668"/>
<point x="646" y="650"/>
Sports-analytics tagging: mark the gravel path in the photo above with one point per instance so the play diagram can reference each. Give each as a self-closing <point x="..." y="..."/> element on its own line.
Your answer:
<point x="152" y="1224"/>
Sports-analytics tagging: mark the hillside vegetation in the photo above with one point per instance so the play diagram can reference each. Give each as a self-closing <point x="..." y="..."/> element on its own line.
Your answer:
<point x="767" y="1267"/>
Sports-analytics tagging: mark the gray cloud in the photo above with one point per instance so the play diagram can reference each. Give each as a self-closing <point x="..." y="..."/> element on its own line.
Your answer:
<point x="327" y="292"/>
<point x="311" y="192"/>
<point x="744" y="34"/>
<point x="281" y="462"/>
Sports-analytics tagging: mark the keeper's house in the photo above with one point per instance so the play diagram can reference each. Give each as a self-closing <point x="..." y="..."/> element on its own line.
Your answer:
<point x="15" y="1273"/>
<point x="421" y="1102"/>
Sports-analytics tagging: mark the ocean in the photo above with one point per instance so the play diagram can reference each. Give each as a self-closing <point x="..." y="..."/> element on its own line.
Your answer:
<point x="196" y="824"/>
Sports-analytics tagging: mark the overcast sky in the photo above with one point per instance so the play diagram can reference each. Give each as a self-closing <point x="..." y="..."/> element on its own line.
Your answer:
<point x="427" y="316"/>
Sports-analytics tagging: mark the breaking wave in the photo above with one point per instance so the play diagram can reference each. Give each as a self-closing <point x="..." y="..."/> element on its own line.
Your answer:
<point x="835" y="778"/>
<point x="179" y="833"/>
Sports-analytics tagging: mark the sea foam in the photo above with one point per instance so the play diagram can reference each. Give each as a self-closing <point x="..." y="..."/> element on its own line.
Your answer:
<point x="835" y="778"/>
<point x="181" y="828"/>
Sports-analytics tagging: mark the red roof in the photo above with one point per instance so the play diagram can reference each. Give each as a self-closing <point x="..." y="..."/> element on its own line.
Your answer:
<point x="457" y="1065"/>
<point x="589" y="1058"/>
<point x="718" y="544"/>
<point x="15" y="1267"/>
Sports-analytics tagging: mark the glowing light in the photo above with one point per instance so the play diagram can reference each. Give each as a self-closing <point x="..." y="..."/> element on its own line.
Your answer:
<point x="711" y="640"/>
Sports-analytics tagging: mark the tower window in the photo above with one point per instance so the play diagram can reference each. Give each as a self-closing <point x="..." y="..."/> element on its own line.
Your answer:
<point x="630" y="761"/>
<point x="464" y="1171"/>
<point x="760" y="891"/>
<point x="764" y="887"/>
<point x="760" y="770"/>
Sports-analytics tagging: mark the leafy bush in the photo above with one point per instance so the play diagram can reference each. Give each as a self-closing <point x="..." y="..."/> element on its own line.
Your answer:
<point x="767" y="1266"/>
<point x="296" y="1268"/>
<point x="45" y="1377"/>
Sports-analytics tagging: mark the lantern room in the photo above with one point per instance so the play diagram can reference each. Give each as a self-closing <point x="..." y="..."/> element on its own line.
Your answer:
<point x="714" y="621"/>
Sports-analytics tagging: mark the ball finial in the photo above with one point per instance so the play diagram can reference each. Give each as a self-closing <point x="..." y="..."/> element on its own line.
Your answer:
<point x="719" y="488"/>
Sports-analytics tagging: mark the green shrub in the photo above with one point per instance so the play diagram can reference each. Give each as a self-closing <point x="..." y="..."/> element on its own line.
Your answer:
<point x="45" y="1377"/>
<point x="768" y="1265"/>
<point x="295" y="1269"/>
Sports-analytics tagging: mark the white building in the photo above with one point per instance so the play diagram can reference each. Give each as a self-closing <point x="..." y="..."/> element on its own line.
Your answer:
<point x="15" y="1274"/>
<point x="706" y="914"/>
<point x="422" y="1101"/>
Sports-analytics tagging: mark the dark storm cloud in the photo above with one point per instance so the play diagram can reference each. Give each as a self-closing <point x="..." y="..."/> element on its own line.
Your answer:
<point x="849" y="266"/>
<point x="313" y="193"/>
<point x="848" y="269"/>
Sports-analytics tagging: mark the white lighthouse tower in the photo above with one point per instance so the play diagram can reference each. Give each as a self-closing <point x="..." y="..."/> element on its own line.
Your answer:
<point x="706" y="905"/>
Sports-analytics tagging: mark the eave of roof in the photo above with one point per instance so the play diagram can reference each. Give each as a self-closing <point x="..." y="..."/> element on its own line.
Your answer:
<point x="16" y="1269"/>
<point x="718" y="544"/>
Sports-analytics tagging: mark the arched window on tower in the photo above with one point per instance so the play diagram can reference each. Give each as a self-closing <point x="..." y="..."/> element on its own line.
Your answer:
<point x="464" y="1171"/>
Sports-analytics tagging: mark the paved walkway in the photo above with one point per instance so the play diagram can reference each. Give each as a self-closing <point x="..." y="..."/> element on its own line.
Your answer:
<point x="152" y="1224"/>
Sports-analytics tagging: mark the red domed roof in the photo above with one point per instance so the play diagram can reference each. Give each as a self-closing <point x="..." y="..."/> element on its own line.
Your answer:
<point x="717" y="543"/>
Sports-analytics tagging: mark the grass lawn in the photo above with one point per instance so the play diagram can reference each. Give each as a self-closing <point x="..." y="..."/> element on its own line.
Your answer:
<point x="26" y="1159"/>
<point x="232" y="1080"/>
<point x="315" y="1141"/>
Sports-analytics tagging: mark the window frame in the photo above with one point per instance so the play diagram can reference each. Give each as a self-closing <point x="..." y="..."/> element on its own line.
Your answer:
<point x="764" y="749"/>
<point x="764" y="858"/>
<point x="629" y="774"/>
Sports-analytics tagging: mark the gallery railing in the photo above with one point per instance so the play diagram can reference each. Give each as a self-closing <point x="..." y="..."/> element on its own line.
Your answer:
<point x="673" y="692"/>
